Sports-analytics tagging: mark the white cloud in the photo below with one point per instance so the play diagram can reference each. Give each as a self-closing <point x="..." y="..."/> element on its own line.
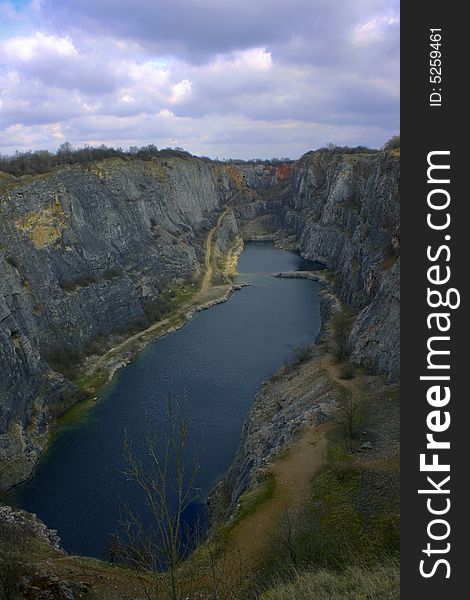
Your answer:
<point x="373" y="30"/>
<point x="26" y="48"/>
<point x="254" y="59"/>
<point x="180" y="91"/>
<point x="167" y="114"/>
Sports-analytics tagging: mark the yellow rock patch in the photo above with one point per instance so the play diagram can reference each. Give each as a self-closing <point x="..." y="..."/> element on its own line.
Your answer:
<point x="159" y="169"/>
<point x="44" y="227"/>
<point x="236" y="175"/>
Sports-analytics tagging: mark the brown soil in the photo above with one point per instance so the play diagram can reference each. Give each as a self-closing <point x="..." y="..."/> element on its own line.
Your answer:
<point x="251" y="537"/>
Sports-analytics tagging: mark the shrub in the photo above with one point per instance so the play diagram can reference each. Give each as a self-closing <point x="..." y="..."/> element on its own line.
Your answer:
<point x="64" y="361"/>
<point x="71" y="285"/>
<point x="349" y="416"/>
<point x="346" y="371"/>
<point x="301" y="353"/>
<point x="10" y="574"/>
<point x="12" y="261"/>
<point x="393" y="143"/>
<point x="341" y="326"/>
<point x="97" y="345"/>
<point x="112" y="272"/>
<point x="157" y="309"/>
<point x="381" y="582"/>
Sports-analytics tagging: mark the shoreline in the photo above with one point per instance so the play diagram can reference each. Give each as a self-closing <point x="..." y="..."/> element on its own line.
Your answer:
<point x="207" y="296"/>
<point x="129" y="349"/>
<point x="99" y="371"/>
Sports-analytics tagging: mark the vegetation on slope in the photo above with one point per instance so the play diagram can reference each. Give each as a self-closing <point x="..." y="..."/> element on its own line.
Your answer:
<point x="354" y="583"/>
<point x="34" y="162"/>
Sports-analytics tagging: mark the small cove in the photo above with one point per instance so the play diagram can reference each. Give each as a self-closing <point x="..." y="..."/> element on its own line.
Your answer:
<point x="218" y="360"/>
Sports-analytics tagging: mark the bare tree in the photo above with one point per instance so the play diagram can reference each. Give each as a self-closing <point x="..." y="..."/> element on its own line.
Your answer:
<point x="226" y="571"/>
<point x="393" y="143"/>
<point x="8" y="577"/>
<point x="288" y="532"/>
<point x="168" y="483"/>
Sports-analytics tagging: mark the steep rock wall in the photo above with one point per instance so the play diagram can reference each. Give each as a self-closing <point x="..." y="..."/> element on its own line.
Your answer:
<point x="345" y="211"/>
<point x="85" y="252"/>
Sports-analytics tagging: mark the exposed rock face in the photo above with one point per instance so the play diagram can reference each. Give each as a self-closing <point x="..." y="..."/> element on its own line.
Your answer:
<point x="88" y="251"/>
<point x="19" y="525"/>
<point x="345" y="211"/>
<point x="226" y="232"/>
<point x="375" y="338"/>
<point x="85" y="252"/>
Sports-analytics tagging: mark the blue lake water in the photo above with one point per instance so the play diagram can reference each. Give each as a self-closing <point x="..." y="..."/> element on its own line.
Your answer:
<point x="218" y="360"/>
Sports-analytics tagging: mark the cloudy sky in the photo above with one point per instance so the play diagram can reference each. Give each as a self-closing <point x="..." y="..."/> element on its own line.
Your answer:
<point x="223" y="78"/>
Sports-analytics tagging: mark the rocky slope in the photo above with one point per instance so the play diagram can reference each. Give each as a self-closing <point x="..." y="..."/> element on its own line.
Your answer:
<point x="84" y="253"/>
<point x="344" y="212"/>
<point x="89" y="252"/>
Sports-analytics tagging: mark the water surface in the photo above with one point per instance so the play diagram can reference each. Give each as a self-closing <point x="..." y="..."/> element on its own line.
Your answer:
<point x="219" y="360"/>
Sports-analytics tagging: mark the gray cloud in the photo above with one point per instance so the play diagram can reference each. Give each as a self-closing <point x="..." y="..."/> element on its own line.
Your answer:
<point x="217" y="77"/>
<point x="196" y="29"/>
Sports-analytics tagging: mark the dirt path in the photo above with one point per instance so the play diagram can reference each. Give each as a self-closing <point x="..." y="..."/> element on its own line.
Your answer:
<point x="250" y="538"/>
<point x="206" y="295"/>
<point x="208" y="259"/>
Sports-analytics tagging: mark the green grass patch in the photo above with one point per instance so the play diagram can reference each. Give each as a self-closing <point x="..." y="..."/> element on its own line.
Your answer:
<point x="253" y="499"/>
<point x="335" y="524"/>
<point x="92" y="381"/>
<point x="176" y="321"/>
<point x="180" y="295"/>
<point x="78" y="413"/>
<point x="379" y="583"/>
<point x="351" y="517"/>
<point x="350" y="520"/>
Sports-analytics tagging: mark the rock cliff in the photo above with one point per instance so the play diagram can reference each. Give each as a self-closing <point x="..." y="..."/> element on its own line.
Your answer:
<point x="88" y="252"/>
<point x="344" y="212"/>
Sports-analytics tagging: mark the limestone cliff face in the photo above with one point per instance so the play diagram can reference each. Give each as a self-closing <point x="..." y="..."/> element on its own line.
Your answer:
<point x="88" y="251"/>
<point x="375" y="338"/>
<point x="85" y="252"/>
<point x="345" y="211"/>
